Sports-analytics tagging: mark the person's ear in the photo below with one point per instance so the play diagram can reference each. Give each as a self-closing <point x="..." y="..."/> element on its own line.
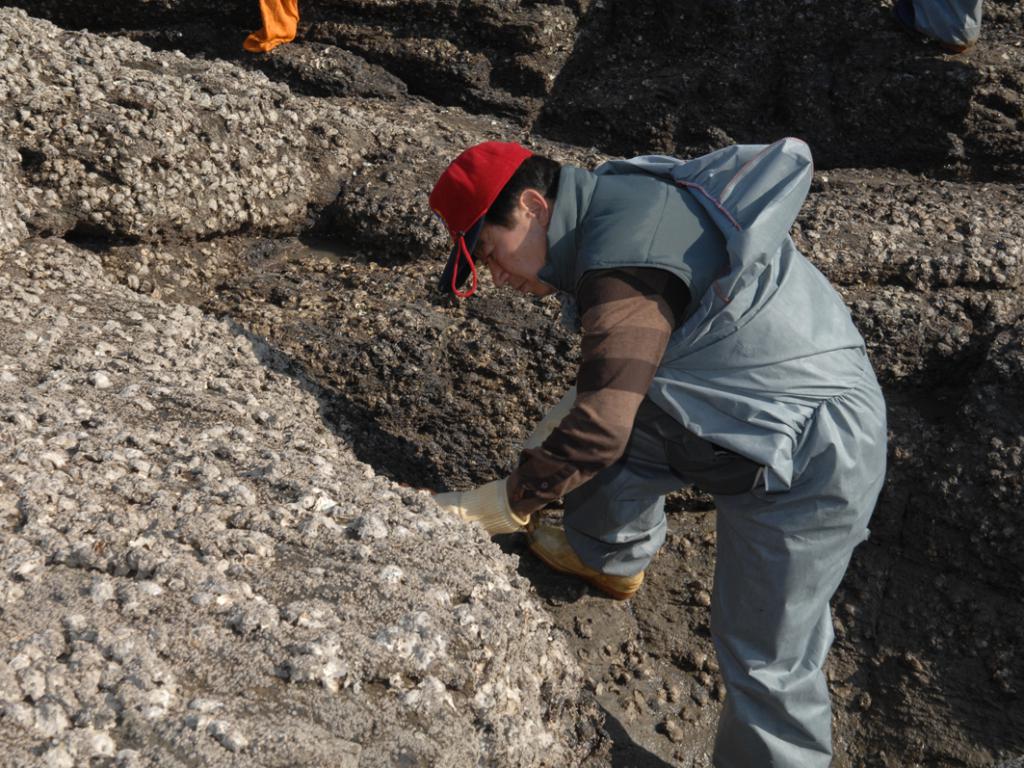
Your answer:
<point x="536" y="205"/>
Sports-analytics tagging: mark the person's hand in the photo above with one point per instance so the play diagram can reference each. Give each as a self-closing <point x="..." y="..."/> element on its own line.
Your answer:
<point x="551" y="420"/>
<point x="486" y="505"/>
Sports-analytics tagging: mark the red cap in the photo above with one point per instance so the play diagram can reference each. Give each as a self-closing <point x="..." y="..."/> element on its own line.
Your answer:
<point x="462" y="196"/>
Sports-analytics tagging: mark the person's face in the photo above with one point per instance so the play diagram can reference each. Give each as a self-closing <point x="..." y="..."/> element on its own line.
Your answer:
<point x="515" y="254"/>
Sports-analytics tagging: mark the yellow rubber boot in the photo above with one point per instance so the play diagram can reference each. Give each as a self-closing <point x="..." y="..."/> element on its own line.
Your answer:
<point x="280" y="21"/>
<point x="550" y="545"/>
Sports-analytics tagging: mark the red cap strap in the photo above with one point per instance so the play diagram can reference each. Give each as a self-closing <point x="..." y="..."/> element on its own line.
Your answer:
<point x="463" y="252"/>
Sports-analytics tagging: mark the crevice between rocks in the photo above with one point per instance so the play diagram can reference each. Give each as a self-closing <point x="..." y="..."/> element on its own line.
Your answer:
<point x="90" y="237"/>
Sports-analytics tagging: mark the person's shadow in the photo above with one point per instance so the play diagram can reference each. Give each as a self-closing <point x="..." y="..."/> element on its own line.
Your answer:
<point x="391" y="454"/>
<point x="626" y="753"/>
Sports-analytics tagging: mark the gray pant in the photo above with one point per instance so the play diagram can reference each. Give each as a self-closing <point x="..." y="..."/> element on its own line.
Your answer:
<point x="952" y="21"/>
<point x="780" y="558"/>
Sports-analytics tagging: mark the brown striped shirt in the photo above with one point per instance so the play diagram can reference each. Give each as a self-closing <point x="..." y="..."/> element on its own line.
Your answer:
<point x="627" y="316"/>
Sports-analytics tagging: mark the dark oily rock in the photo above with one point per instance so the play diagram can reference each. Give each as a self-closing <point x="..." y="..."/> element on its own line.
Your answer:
<point x="932" y="276"/>
<point x="917" y="339"/>
<point x="682" y="78"/>
<point x="327" y="70"/>
<point x="121" y="14"/>
<point x="981" y="480"/>
<point x="118" y="140"/>
<point x="382" y="204"/>
<point x="179" y="577"/>
<point x="485" y="56"/>
<point x="891" y="228"/>
<point x="936" y="339"/>
<point x="309" y="68"/>
<point x="437" y="394"/>
<point x="497" y="57"/>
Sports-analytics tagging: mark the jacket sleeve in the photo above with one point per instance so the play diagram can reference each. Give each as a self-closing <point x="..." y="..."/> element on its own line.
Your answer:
<point x="627" y="318"/>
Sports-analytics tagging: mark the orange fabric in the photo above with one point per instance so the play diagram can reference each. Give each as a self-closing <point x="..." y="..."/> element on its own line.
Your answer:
<point x="280" y="20"/>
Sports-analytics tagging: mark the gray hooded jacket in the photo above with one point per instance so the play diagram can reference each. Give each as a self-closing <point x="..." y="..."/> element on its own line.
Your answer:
<point x="766" y="340"/>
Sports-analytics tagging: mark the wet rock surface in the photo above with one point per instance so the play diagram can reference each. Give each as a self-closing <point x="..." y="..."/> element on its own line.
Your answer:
<point x="682" y="78"/>
<point x="217" y="303"/>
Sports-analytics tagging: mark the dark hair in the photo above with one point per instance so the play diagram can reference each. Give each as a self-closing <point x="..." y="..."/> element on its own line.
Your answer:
<point x="535" y="172"/>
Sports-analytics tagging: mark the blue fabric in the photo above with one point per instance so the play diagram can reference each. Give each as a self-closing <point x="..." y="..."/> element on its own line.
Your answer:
<point x="771" y="339"/>
<point x="616" y="522"/>
<point x="779" y="559"/>
<point x="957" y="22"/>
<point x="770" y="367"/>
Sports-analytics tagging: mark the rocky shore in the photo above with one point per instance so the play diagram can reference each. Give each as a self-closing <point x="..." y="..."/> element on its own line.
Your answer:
<point x="224" y="370"/>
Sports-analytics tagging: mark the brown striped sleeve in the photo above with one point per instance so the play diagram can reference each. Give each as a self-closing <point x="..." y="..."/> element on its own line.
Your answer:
<point x="627" y="317"/>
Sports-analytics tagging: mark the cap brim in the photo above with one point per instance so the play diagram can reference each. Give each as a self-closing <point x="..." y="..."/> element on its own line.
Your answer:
<point x="457" y="264"/>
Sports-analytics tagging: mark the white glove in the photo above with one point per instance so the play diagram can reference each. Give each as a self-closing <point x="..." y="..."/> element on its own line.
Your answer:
<point x="551" y="420"/>
<point x="487" y="505"/>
